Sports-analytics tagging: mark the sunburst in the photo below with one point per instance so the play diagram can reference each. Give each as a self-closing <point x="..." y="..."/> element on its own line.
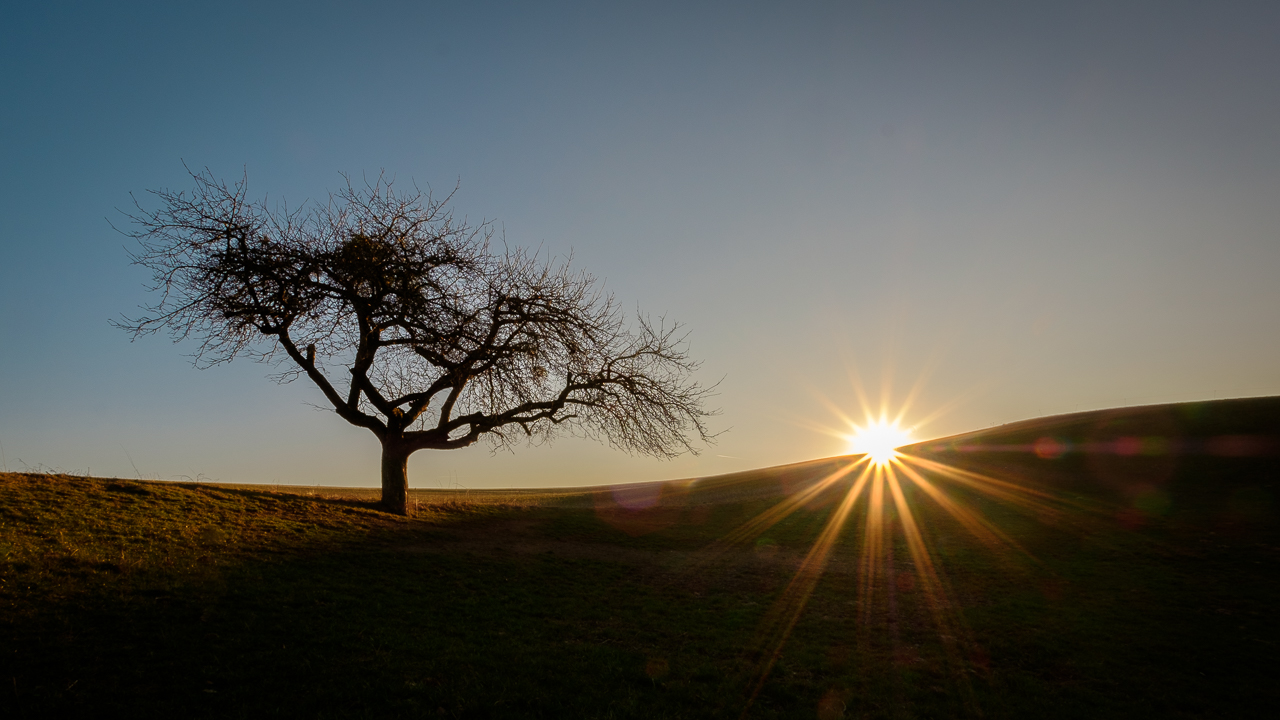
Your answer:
<point x="893" y="483"/>
<point x="880" y="440"/>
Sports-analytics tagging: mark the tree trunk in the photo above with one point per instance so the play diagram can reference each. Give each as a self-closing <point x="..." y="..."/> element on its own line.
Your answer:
<point x="395" y="479"/>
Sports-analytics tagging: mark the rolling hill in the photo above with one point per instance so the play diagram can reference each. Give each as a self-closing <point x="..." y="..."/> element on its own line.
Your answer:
<point x="1116" y="563"/>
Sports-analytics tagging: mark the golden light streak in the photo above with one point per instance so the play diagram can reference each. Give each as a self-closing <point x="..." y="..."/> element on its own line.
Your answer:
<point x="1019" y="495"/>
<point x="929" y="577"/>
<point x="874" y="557"/>
<point x="897" y="474"/>
<point x="872" y="546"/>
<point x="980" y="527"/>
<point x="756" y="526"/>
<point x="915" y="543"/>
<point x="786" y="611"/>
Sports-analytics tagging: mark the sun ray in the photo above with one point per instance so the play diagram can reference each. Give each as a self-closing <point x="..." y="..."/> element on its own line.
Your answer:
<point x="978" y="526"/>
<point x="886" y="385"/>
<point x="875" y="566"/>
<point x="915" y="543"/>
<point x="930" y="580"/>
<point x="859" y="390"/>
<point x="948" y="406"/>
<point x="822" y="428"/>
<point x="901" y="490"/>
<point x="831" y="406"/>
<point x="754" y="527"/>
<point x="916" y="388"/>
<point x="786" y="610"/>
<point x="872" y="543"/>
<point x="1013" y="493"/>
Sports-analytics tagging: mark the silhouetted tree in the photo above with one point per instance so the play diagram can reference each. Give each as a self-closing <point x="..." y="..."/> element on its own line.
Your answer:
<point x="411" y="324"/>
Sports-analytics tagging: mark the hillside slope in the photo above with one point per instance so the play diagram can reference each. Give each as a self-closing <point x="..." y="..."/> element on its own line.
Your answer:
<point x="1113" y="564"/>
<point x="1213" y="463"/>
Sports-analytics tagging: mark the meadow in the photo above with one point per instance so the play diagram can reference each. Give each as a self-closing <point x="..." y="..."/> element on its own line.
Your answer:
<point x="1106" y="564"/>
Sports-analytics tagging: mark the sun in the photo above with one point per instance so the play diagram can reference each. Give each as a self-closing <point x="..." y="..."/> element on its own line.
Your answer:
<point x="878" y="440"/>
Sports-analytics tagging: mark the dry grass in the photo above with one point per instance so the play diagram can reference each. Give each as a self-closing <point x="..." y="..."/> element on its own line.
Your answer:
<point x="163" y="599"/>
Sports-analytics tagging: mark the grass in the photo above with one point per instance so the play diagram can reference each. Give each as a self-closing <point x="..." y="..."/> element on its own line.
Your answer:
<point x="160" y="599"/>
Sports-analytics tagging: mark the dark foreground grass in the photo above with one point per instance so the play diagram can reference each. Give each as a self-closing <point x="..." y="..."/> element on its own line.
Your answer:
<point x="165" y="600"/>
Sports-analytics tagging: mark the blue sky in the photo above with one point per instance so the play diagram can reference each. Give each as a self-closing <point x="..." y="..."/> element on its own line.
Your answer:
<point x="1027" y="210"/>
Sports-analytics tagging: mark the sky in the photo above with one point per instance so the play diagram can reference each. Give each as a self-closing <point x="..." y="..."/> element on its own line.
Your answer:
<point x="994" y="211"/>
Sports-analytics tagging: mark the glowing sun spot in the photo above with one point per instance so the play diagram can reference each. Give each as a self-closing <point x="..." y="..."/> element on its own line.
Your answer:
<point x="878" y="440"/>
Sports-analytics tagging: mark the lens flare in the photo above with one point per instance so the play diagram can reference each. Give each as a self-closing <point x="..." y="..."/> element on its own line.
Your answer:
<point x="878" y="440"/>
<point x="889" y="515"/>
<point x="899" y="504"/>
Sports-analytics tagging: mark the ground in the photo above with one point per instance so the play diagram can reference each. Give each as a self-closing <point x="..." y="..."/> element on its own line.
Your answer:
<point x="1096" y="581"/>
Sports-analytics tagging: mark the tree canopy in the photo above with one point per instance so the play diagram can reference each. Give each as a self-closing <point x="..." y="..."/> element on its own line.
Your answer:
<point x="412" y="323"/>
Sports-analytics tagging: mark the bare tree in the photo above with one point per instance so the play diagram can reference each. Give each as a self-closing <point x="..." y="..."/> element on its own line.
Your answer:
<point x="411" y="324"/>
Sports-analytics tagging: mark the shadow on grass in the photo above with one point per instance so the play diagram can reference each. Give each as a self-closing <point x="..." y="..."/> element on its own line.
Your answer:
<point x="410" y="622"/>
<point x="381" y="629"/>
<point x="162" y="600"/>
<point x="245" y="603"/>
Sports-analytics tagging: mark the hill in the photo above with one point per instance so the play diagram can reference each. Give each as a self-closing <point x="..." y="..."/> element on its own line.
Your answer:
<point x="1118" y="563"/>
<point x="1202" y="464"/>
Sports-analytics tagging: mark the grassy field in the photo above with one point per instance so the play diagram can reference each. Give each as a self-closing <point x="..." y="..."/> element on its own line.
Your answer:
<point x="1113" y="564"/>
